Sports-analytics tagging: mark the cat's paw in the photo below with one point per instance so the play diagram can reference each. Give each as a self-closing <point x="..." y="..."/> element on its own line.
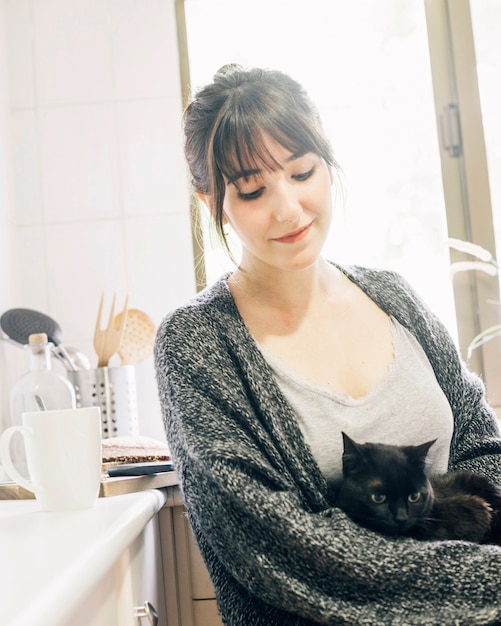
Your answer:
<point x="471" y="517"/>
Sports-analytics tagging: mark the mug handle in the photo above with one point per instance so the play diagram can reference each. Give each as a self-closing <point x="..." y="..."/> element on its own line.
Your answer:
<point x="7" y="461"/>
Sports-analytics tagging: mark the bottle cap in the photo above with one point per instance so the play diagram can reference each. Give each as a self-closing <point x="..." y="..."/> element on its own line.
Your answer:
<point x="37" y="338"/>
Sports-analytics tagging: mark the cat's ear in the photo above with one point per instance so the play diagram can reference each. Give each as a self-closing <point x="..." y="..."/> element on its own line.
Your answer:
<point x="349" y="445"/>
<point x="353" y="455"/>
<point x="419" y="453"/>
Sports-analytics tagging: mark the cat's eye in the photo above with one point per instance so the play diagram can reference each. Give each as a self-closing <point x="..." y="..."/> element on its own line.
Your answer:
<point x="414" y="497"/>
<point x="378" y="498"/>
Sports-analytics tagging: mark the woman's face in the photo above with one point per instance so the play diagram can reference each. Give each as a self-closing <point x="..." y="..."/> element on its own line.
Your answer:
<point x="281" y="217"/>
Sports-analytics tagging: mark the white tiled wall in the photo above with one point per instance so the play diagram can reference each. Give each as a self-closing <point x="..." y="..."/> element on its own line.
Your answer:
<point x="6" y="228"/>
<point x="99" y="196"/>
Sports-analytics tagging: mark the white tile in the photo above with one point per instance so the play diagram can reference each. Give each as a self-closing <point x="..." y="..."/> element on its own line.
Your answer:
<point x="19" y="38"/>
<point x="7" y="270"/>
<point x="145" y="52"/>
<point x="72" y="51"/>
<point x="160" y="263"/>
<point x="84" y="260"/>
<point x="13" y="364"/>
<point x="79" y="162"/>
<point x="25" y="168"/>
<point x="148" y="405"/>
<point x="151" y="157"/>
<point x="31" y="268"/>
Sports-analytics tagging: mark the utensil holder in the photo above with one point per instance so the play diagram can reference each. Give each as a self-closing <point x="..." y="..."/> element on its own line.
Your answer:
<point x="113" y="389"/>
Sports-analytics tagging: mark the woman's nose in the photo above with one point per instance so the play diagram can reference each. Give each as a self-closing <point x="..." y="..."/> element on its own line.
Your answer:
<point x="287" y="205"/>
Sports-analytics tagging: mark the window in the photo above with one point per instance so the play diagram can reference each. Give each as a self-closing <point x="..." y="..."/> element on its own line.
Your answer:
<point x="383" y="75"/>
<point x="366" y="65"/>
<point x="486" y="22"/>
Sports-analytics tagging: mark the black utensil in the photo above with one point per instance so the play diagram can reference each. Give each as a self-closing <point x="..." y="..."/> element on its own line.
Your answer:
<point x="140" y="469"/>
<point x="19" y="324"/>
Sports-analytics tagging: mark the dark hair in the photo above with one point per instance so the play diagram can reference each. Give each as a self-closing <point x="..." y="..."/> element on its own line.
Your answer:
<point x="228" y="120"/>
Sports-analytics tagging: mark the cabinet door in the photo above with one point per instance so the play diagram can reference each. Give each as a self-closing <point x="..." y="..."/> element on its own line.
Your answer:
<point x="205" y="611"/>
<point x="139" y="578"/>
<point x="189" y="591"/>
<point x="100" y="607"/>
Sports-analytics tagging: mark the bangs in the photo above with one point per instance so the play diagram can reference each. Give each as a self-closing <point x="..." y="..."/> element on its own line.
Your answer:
<point x="241" y="137"/>
<point x="249" y="151"/>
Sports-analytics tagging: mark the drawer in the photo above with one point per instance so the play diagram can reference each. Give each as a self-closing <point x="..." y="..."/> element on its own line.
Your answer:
<point x="205" y="613"/>
<point x="190" y="595"/>
<point x="201" y="584"/>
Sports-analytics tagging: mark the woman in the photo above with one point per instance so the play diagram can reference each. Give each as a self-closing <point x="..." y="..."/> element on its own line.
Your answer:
<point x="260" y="373"/>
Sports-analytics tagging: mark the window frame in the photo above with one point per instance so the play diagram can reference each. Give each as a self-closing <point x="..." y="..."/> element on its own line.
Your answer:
<point x="465" y="177"/>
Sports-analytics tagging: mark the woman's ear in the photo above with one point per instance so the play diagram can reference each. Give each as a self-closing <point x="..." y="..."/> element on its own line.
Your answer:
<point x="205" y="199"/>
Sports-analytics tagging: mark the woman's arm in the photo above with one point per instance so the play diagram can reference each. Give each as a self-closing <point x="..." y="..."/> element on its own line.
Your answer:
<point x="476" y="442"/>
<point x="256" y="529"/>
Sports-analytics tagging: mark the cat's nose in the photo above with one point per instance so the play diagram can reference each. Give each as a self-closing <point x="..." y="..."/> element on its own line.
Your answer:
<point x="401" y="517"/>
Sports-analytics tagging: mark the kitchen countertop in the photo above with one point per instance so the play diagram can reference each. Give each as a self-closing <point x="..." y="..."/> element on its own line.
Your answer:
<point x="51" y="561"/>
<point x="110" y="486"/>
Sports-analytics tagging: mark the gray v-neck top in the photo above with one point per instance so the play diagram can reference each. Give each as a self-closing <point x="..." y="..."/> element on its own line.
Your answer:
<point x="408" y="407"/>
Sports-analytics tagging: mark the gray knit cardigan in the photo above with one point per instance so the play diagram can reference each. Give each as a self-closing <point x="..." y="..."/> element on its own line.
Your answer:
<point x="255" y="497"/>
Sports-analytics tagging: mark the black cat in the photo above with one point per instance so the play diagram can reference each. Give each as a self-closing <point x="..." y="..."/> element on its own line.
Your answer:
<point x="385" y="488"/>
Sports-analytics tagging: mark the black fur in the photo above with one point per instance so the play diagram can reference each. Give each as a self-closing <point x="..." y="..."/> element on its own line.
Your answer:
<point x="385" y="488"/>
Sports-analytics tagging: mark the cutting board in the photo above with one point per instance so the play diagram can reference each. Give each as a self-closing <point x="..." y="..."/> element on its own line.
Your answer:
<point x="109" y="486"/>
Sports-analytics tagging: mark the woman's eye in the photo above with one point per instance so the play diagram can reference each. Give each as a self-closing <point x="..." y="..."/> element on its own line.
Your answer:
<point x="252" y="195"/>
<point x="414" y="497"/>
<point x="304" y="175"/>
<point x="378" y="498"/>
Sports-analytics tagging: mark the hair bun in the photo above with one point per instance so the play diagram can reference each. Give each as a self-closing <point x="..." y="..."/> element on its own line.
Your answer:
<point x="229" y="68"/>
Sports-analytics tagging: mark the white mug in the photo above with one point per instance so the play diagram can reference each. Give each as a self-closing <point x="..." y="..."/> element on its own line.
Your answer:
<point x="64" y="457"/>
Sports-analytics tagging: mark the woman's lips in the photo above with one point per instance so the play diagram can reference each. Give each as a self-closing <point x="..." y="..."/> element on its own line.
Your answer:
<point x="294" y="236"/>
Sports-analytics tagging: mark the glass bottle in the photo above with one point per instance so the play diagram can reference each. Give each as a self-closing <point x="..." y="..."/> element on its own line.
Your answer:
<point x="40" y="388"/>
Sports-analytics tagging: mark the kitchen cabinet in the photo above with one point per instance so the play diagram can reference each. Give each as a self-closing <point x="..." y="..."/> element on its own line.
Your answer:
<point x="82" y="568"/>
<point x="100" y="566"/>
<point x="189" y="594"/>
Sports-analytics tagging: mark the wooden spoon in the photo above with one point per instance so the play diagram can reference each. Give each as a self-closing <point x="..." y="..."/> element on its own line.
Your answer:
<point x="138" y="338"/>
